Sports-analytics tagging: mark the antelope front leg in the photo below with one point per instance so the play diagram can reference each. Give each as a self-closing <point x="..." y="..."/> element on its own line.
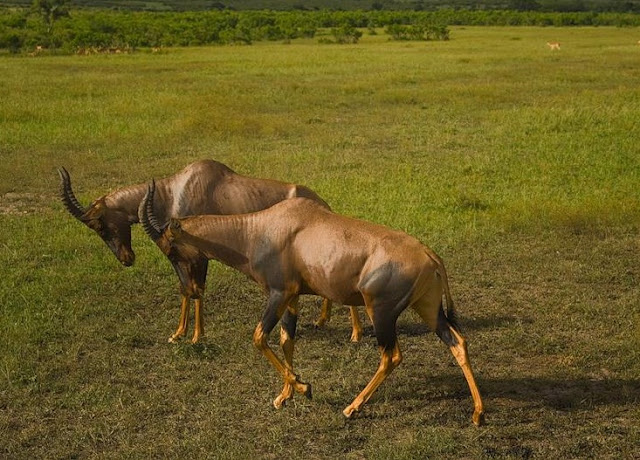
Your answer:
<point x="287" y="341"/>
<point x="275" y="309"/>
<point x="198" y="329"/>
<point x="260" y="341"/>
<point x="184" y="320"/>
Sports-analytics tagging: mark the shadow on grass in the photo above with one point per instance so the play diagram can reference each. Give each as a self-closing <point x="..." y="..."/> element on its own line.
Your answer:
<point x="558" y="394"/>
<point x="566" y="394"/>
<point x="569" y="396"/>
<point x="405" y="327"/>
<point x="493" y="322"/>
<point x="408" y="325"/>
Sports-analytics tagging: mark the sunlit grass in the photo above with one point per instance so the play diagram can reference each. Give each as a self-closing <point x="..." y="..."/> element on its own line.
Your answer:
<point x="519" y="165"/>
<point x="491" y="117"/>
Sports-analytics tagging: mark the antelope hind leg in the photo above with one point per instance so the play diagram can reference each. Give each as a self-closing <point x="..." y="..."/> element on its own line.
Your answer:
<point x="356" y="325"/>
<point x="459" y="351"/>
<point x="389" y="361"/>
<point x="430" y="310"/>
<point x="325" y="313"/>
<point x="325" y="316"/>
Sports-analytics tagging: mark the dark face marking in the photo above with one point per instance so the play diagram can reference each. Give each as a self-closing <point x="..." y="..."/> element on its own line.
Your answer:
<point x="115" y="230"/>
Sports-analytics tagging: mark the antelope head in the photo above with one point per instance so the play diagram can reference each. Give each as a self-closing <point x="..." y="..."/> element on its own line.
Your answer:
<point x="112" y="225"/>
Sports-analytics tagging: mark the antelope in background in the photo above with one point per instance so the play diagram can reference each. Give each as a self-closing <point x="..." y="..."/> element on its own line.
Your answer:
<point x="299" y="246"/>
<point x="203" y="187"/>
<point x="553" y="46"/>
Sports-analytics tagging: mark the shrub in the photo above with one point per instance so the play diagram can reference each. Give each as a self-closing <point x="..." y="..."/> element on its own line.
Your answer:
<point x="424" y="31"/>
<point x="346" y="34"/>
<point x="11" y="41"/>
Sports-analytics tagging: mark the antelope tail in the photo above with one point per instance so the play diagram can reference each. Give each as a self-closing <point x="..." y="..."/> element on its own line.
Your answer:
<point x="442" y="272"/>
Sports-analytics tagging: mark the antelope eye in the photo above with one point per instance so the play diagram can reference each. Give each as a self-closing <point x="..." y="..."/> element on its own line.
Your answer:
<point x="97" y="225"/>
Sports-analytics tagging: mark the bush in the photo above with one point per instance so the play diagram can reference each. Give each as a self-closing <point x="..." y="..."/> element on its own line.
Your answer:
<point x="11" y="41"/>
<point x="346" y="34"/>
<point x="418" y="32"/>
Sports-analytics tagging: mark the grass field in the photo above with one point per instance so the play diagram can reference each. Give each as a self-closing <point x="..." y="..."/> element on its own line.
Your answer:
<point x="518" y="165"/>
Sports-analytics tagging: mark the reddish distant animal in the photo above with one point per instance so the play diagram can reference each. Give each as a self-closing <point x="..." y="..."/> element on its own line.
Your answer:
<point x="299" y="246"/>
<point x="553" y="45"/>
<point x="203" y="187"/>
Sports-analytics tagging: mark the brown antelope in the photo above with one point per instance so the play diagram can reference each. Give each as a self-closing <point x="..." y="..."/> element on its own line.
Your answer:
<point x="299" y="246"/>
<point x="553" y="46"/>
<point x="203" y="187"/>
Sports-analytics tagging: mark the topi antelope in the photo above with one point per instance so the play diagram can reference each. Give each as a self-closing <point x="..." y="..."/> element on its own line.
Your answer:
<point x="203" y="187"/>
<point x="300" y="247"/>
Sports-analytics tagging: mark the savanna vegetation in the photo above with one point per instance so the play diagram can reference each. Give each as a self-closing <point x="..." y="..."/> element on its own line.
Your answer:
<point x="517" y="164"/>
<point x="54" y="27"/>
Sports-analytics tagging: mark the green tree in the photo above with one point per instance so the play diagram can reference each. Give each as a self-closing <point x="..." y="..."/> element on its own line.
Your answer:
<point x="523" y="5"/>
<point x="51" y="11"/>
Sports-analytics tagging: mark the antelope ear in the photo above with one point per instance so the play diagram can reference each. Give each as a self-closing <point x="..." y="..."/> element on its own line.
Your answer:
<point x="97" y="208"/>
<point x="174" y="226"/>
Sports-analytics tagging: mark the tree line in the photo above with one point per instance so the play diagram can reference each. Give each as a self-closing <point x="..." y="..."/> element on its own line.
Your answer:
<point x="348" y="5"/>
<point x="50" y="25"/>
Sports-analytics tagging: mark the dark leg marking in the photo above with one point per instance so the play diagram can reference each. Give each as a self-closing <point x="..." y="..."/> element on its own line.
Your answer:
<point x="443" y="329"/>
<point x="289" y="322"/>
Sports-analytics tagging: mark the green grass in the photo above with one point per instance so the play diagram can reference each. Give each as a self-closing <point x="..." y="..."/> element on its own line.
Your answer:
<point x="519" y="165"/>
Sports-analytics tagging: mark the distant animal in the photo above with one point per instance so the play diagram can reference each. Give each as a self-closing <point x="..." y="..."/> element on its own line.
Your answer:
<point x="203" y="187"/>
<point x="553" y="45"/>
<point x="299" y="246"/>
<point x="37" y="51"/>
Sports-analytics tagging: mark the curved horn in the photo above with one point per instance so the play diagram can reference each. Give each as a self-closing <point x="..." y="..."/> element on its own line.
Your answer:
<point x="147" y="219"/>
<point x="68" y="198"/>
